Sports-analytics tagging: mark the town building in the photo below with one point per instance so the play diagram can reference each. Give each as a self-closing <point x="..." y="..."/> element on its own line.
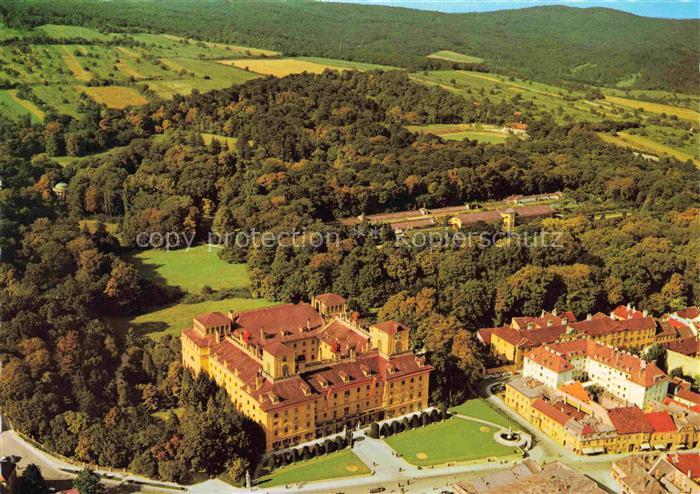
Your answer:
<point x="303" y="371"/>
<point x="512" y="341"/>
<point x="591" y="425"/>
<point x="622" y="374"/>
<point x="676" y="473"/>
<point x="527" y="477"/>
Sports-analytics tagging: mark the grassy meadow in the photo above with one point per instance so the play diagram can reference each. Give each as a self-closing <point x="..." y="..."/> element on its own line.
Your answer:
<point x="340" y="464"/>
<point x="489" y="134"/>
<point x="190" y="269"/>
<point x="173" y="319"/>
<point x="453" y="56"/>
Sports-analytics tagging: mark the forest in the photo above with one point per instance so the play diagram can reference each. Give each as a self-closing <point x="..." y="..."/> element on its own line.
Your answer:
<point x="552" y="44"/>
<point x="310" y="149"/>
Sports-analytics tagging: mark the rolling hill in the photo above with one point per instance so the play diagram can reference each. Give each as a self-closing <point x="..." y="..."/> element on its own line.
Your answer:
<point x="551" y="44"/>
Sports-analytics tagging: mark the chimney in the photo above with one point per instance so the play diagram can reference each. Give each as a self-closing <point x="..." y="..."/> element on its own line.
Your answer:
<point x="629" y="306"/>
<point x="308" y="324"/>
<point x="549" y="322"/>
<point x="589" y="317"/>
<point x="564" y="320"/>
<point x="531" y="325"/>
<point x="645" y="313"/>
<point x="258" y="380"/>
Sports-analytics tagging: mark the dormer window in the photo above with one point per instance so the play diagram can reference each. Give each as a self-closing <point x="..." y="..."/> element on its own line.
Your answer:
<point x="366" y="371"/>
<point x="344" y="376"/>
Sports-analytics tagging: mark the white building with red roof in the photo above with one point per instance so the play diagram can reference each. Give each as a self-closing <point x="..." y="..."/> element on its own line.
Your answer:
<point x="622" y="374"/>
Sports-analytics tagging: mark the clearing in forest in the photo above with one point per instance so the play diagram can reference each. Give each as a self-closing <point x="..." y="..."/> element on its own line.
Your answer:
<point x="279" y="67"/>
<point x="453" y="56"/>
<point x="682" y="113"/>
<point x="114" y="96"/>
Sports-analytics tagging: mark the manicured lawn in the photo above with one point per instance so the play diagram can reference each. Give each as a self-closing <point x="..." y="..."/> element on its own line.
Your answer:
<point x="335" y="465"/>
<point x="173" y="319"/>
<point x="191" y="269"/>
<point x="452" y="440"/>
<point x="480" y="409"/>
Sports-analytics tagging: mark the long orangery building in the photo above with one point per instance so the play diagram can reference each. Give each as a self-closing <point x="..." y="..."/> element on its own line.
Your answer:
<point x="303" y="371"/>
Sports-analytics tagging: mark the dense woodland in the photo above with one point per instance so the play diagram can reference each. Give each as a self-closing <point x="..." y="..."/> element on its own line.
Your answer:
<point x="310" y="150"/>
<point x="551" y="44"/>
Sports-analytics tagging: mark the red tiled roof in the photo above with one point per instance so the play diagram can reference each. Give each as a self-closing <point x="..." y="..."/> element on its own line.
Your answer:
<point x="684" y="331"/>
<point x="390" y="327"/>
<point x="331" y="299"/>
<point x="196" y="338"/>
<point x="484" y="335"/>
<point x="279" y="323"/>
<point x="686" y="462"/>
<point x="343" y="336"/>
<point x="688" y="313"/>
<point x="686" y="346"/>
<point x="547" y="358"/>
<point x="639" y="371"/>
<point x="623" y="312"/>
<point x="550" y="411"/>
<point x="687" y="395"/>
<point x="213" y="319"/>
<point x="638" y="323"/>
<point x="661" y="421"/>
<point x="629" y="420"/>
<point x="278" y="349"/>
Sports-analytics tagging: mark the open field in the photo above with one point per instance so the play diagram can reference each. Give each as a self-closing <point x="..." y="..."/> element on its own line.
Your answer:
<point x="658" y="108"/>
<point x="646" y="145"/>
<point x="452" y="440"/>
<point x="64" y="32"/>
<point x="278" y="67"/>
<point x="453" y="56"/>
<point x="191" y="269"/>
<point x="478" y="86"/>
<point x="229" y="141"/>
<point x="15" y="108"/>
<point x="456" y="132"/>
<point x="114" y="96"/>
<point x="346" y="64"/>
<point x="480" y="409"/>
<point x="343" y="463"/>
<point x="173" y="319"/>
<point x="243" y="50"/>
<point x="74" y="65"/>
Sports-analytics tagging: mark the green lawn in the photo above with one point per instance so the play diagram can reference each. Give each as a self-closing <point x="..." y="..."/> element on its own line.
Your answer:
<point x="173" y="319"/>
<point x="480" y="409"/>
<point x="452" y="440"/>
<point x="343" y="463"/>
<point x="191" y="269"/>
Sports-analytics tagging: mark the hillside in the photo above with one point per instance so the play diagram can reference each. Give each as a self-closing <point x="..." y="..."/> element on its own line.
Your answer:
<point x="550" y="44"/>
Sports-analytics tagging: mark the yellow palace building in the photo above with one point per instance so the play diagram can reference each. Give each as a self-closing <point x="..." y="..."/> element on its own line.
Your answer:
<point x="303" y="371"/>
